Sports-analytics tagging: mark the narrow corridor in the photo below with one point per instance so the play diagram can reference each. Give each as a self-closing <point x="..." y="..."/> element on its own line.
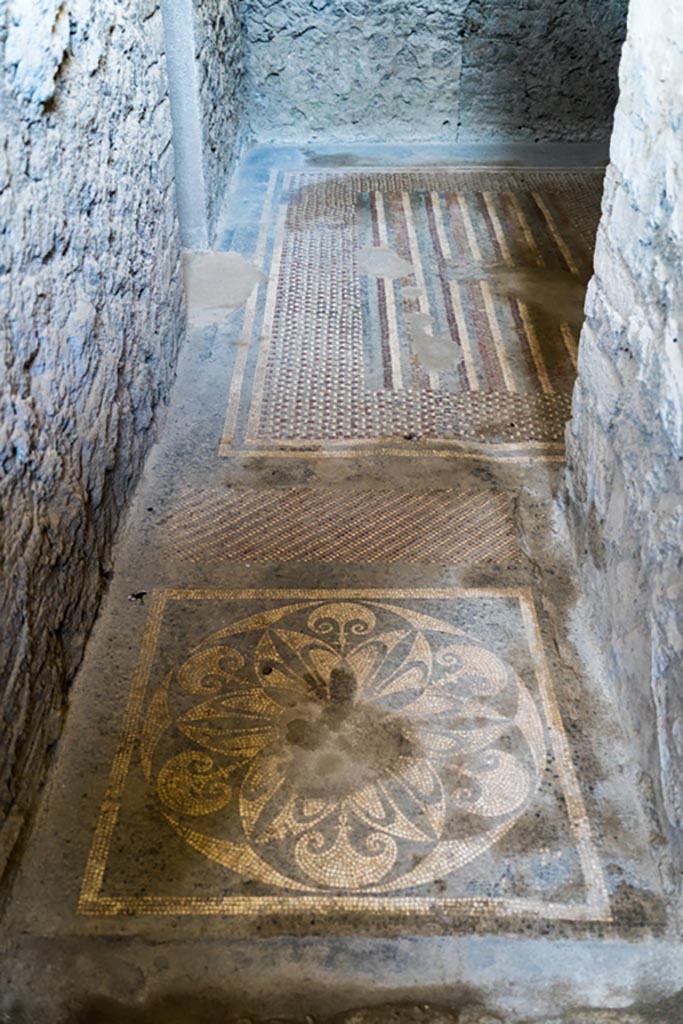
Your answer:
<point x="341" y="724"/>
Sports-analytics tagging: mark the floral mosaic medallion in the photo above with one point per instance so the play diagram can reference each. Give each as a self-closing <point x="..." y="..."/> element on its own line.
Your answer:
<point x="350" y="746"/>
<point x="299" y="755"/>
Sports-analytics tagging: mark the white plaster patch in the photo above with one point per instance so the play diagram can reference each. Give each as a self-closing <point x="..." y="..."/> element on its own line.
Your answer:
<point x="37" y="39"/>
<point x="380" y="261"/>
<point x="217" y="284"/>
<point x="435" y="352"/>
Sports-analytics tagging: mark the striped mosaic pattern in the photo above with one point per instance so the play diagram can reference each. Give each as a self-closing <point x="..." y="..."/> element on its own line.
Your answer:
<point x="305" y="525"/>
<point x="505" y="348"/>
<point x="330" y="357"/>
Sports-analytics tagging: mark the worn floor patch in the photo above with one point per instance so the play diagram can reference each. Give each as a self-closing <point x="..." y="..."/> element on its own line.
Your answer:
<point x="333" y="753"/>
<point x="317" y="525"/>
<point x="473" y="349"/>
<point x="216" y="284"/>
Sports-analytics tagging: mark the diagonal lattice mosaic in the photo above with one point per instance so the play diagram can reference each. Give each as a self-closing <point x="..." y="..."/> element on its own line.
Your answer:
<point x="309" y="525"/>
<point x="382" y="317"/>
<point x="344" y="752"/>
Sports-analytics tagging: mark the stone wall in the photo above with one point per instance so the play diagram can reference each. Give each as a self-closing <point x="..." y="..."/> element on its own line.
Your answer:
<point x="220" y="65"/>
<point x="626" y="438"/>
<point x="441" y="70"/>
<point x="90" y="322"/>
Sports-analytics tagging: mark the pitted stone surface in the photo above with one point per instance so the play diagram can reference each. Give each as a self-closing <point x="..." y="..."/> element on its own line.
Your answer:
<point x="37" y="39"/>
<point x="433" y="69"/>
<point x="91" y="306"/>
<point x="626" y="438"/>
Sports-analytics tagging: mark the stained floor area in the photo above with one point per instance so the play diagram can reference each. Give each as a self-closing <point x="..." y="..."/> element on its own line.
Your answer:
<point x="341" y="734"/>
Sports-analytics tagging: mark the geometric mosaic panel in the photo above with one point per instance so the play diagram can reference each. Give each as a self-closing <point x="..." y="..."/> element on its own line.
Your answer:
<point x="334" y="525"/>
<point x="335" y="358"/>
<point x="344" y="753"/>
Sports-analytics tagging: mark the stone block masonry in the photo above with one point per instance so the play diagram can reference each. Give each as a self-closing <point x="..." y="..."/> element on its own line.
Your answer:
<point x="433" y="70"/>
<point x="91" y="317"/>
<point x="626" y="437"/>
<point x="220" y="67"/>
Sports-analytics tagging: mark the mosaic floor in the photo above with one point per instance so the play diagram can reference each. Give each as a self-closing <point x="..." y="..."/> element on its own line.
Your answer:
<point x="391" y="311"/>
<point x="344" y="752"/>
<point x="339" y="726"/>
<point x="305" y="525"/>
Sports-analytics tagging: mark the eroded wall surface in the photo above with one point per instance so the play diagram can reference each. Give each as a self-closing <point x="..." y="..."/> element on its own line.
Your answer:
<point x="220" y="67"/>
<point x="90" y="322"/>
<point x="440" y="70"/>
<point x="626" y="438"/>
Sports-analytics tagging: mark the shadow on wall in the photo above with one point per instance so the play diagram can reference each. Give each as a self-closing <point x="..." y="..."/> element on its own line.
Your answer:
<point x="433" y="70"/>
<point x="542" y="71"/>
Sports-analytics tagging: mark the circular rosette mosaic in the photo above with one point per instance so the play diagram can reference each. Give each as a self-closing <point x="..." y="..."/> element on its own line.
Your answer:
<point x="346" y="746"/>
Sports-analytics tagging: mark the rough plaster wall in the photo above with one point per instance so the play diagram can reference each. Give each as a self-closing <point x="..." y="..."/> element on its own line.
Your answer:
<point x="440" y="70"/>
<point x="220" y="65"/>
<point x="541" y="69"/>
<point x="90" y="321"/>
<point x="626" y="438"/>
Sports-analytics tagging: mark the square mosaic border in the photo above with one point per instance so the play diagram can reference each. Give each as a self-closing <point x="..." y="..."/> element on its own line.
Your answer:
<point x="94" y="902"/>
